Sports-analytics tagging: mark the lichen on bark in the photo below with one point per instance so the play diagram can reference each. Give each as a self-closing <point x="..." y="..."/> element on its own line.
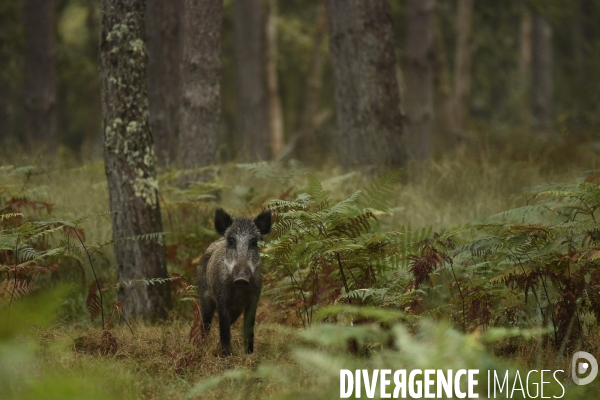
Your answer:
<point x="129" y="157"/>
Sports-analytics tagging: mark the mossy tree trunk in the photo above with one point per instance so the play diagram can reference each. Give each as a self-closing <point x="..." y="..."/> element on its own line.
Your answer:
<point x="129" y="159"/>
<point x="163" y="30"/>
<point x="40" y="74"/>
<point x="420" y="57"/>
<point x="367" y="98"/>
<point x="200" y="111"/>
<point x="251" y="99"/>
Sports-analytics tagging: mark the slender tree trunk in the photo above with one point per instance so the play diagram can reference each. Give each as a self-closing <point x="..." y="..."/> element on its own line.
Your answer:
<point x="314" y="83"/>
<point x="40" y="74"/>
<point x="4" y="120"/>
<point x="446" y="119"/>
<point x="275" y="111"/>
<point x="201" y="83"/>
<point x="463" y="60"/>
<point x="525" y="62"/>
<point x="252" y="103"/>
<point x="542" y="73"/>
<point x="303" y="144"/>
<point x="525" y="47"/>
<point x="577" y="28"/>
<point x="91" y="144"/>
<point x="370" y="124"/>
<point x="420" y="53"/>
<point x="164" y="56"/>
<point x="129" y="159"/>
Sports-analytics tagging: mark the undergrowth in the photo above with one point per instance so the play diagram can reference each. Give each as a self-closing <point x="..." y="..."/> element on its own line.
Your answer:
<point x="393" y="275"/>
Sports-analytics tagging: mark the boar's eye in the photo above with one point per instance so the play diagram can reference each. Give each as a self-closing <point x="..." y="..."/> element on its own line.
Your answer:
<point x="253" y="243"/>
<point x="230" y="242"/>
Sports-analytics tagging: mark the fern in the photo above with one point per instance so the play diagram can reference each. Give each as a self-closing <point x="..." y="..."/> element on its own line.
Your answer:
<point x="532" y="266"/>
<point x="378" y="194"/>
<point x="329" y="249"/>
<point x="16" y="288"/>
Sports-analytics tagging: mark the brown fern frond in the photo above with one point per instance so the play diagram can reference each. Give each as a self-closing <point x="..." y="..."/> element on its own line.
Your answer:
<point x="15" y="288"/>
<point x="593" y="178"/>
<point x="108" y="344"/>
<point x="183" y="361"/>
<point x="92" y="302"/>
<point x="197" y="332"/>
<point x="117" y="307"/>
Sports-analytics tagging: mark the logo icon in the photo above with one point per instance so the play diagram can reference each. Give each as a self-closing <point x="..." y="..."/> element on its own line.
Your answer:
<point x="582" y="367"/>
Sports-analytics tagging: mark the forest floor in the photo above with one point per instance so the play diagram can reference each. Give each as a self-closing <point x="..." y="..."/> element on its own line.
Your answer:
<point x="70" y="356"/>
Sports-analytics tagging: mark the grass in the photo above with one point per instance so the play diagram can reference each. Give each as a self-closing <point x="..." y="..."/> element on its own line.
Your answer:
<point x="158" y="362"/>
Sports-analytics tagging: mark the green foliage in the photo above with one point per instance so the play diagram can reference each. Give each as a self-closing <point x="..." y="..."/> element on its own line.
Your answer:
<point x="531" y="267"/>
<point x="28" y="370"/>
<point x="320" y="352"/>
<point x="37" y="253"/>
<point x="320" y="249"/>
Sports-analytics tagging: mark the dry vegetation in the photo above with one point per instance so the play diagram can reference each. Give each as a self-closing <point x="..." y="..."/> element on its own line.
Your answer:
<point x="159" y="362"/>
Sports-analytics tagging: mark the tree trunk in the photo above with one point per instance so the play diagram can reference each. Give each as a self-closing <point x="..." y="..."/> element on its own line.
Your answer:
<point x="420" y="53"/>
<point x="542" y="73"/>
<point x="525" y="47"/>
<point x="40" y="74"/>
<point x="4" y="120"/>
<point x="129" y="159"/>
<point x="201" y="83"/>
<point x="303" y="144"/>
<point x="525" y="63"/>
<point x="164" y="57"/>
<point x="305" y="128"/>
<point x="463" y="60"/>
<point x="275" y="112"/>
<point x="252" y="103"/>
<point x="577" y="29"/>
<point x="370" y="124"/>
<point x="445" y="117"/>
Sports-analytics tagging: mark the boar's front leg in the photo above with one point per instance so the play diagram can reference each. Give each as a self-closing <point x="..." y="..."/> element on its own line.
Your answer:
<point x="224" y="329"/>
<point x="207" y="308"/>
<point x="249" y="319"/>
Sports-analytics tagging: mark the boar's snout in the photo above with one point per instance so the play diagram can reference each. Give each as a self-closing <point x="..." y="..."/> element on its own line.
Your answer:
<point x="241" y="273"/>
<point x="241" y="280"/>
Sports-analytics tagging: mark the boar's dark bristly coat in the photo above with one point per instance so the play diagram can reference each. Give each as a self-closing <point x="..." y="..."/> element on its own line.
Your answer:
<point x="230" y="276"/>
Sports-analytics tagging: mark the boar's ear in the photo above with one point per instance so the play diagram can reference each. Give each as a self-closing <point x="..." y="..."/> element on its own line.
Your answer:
<point x="263" y="222"/>
<point x="222" y="221"/>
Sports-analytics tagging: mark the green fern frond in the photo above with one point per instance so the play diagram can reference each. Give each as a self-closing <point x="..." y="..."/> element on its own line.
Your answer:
<point x="315" y="190"/>
<point x="378" y="194"/>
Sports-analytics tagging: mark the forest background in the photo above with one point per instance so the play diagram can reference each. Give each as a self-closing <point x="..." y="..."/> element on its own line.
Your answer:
<point x="482" y="252"/>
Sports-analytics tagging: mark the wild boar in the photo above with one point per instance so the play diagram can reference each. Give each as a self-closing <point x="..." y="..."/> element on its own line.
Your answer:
<point x="230" y="276"/>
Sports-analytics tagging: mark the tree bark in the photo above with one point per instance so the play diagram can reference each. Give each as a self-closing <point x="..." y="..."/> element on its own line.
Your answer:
<point x="252" y="104"/>
<point x="4" y="116"/>
<point x="129" y="159"/>
<point x="200" y="83"/>
<point x="164" y="55"/>
<point x="446" y="119"/>
<point x="542" y="73"/>
<point x="305" y="128"/>
<point x="40" y="74"/>
<point x="525" y="63"/>
<point x="370" y="124"/>
<point x="463" y="61"/>
<point x="420" y="53"/>
<point x="525" y="47"/>
<point x="275" y="111"/>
